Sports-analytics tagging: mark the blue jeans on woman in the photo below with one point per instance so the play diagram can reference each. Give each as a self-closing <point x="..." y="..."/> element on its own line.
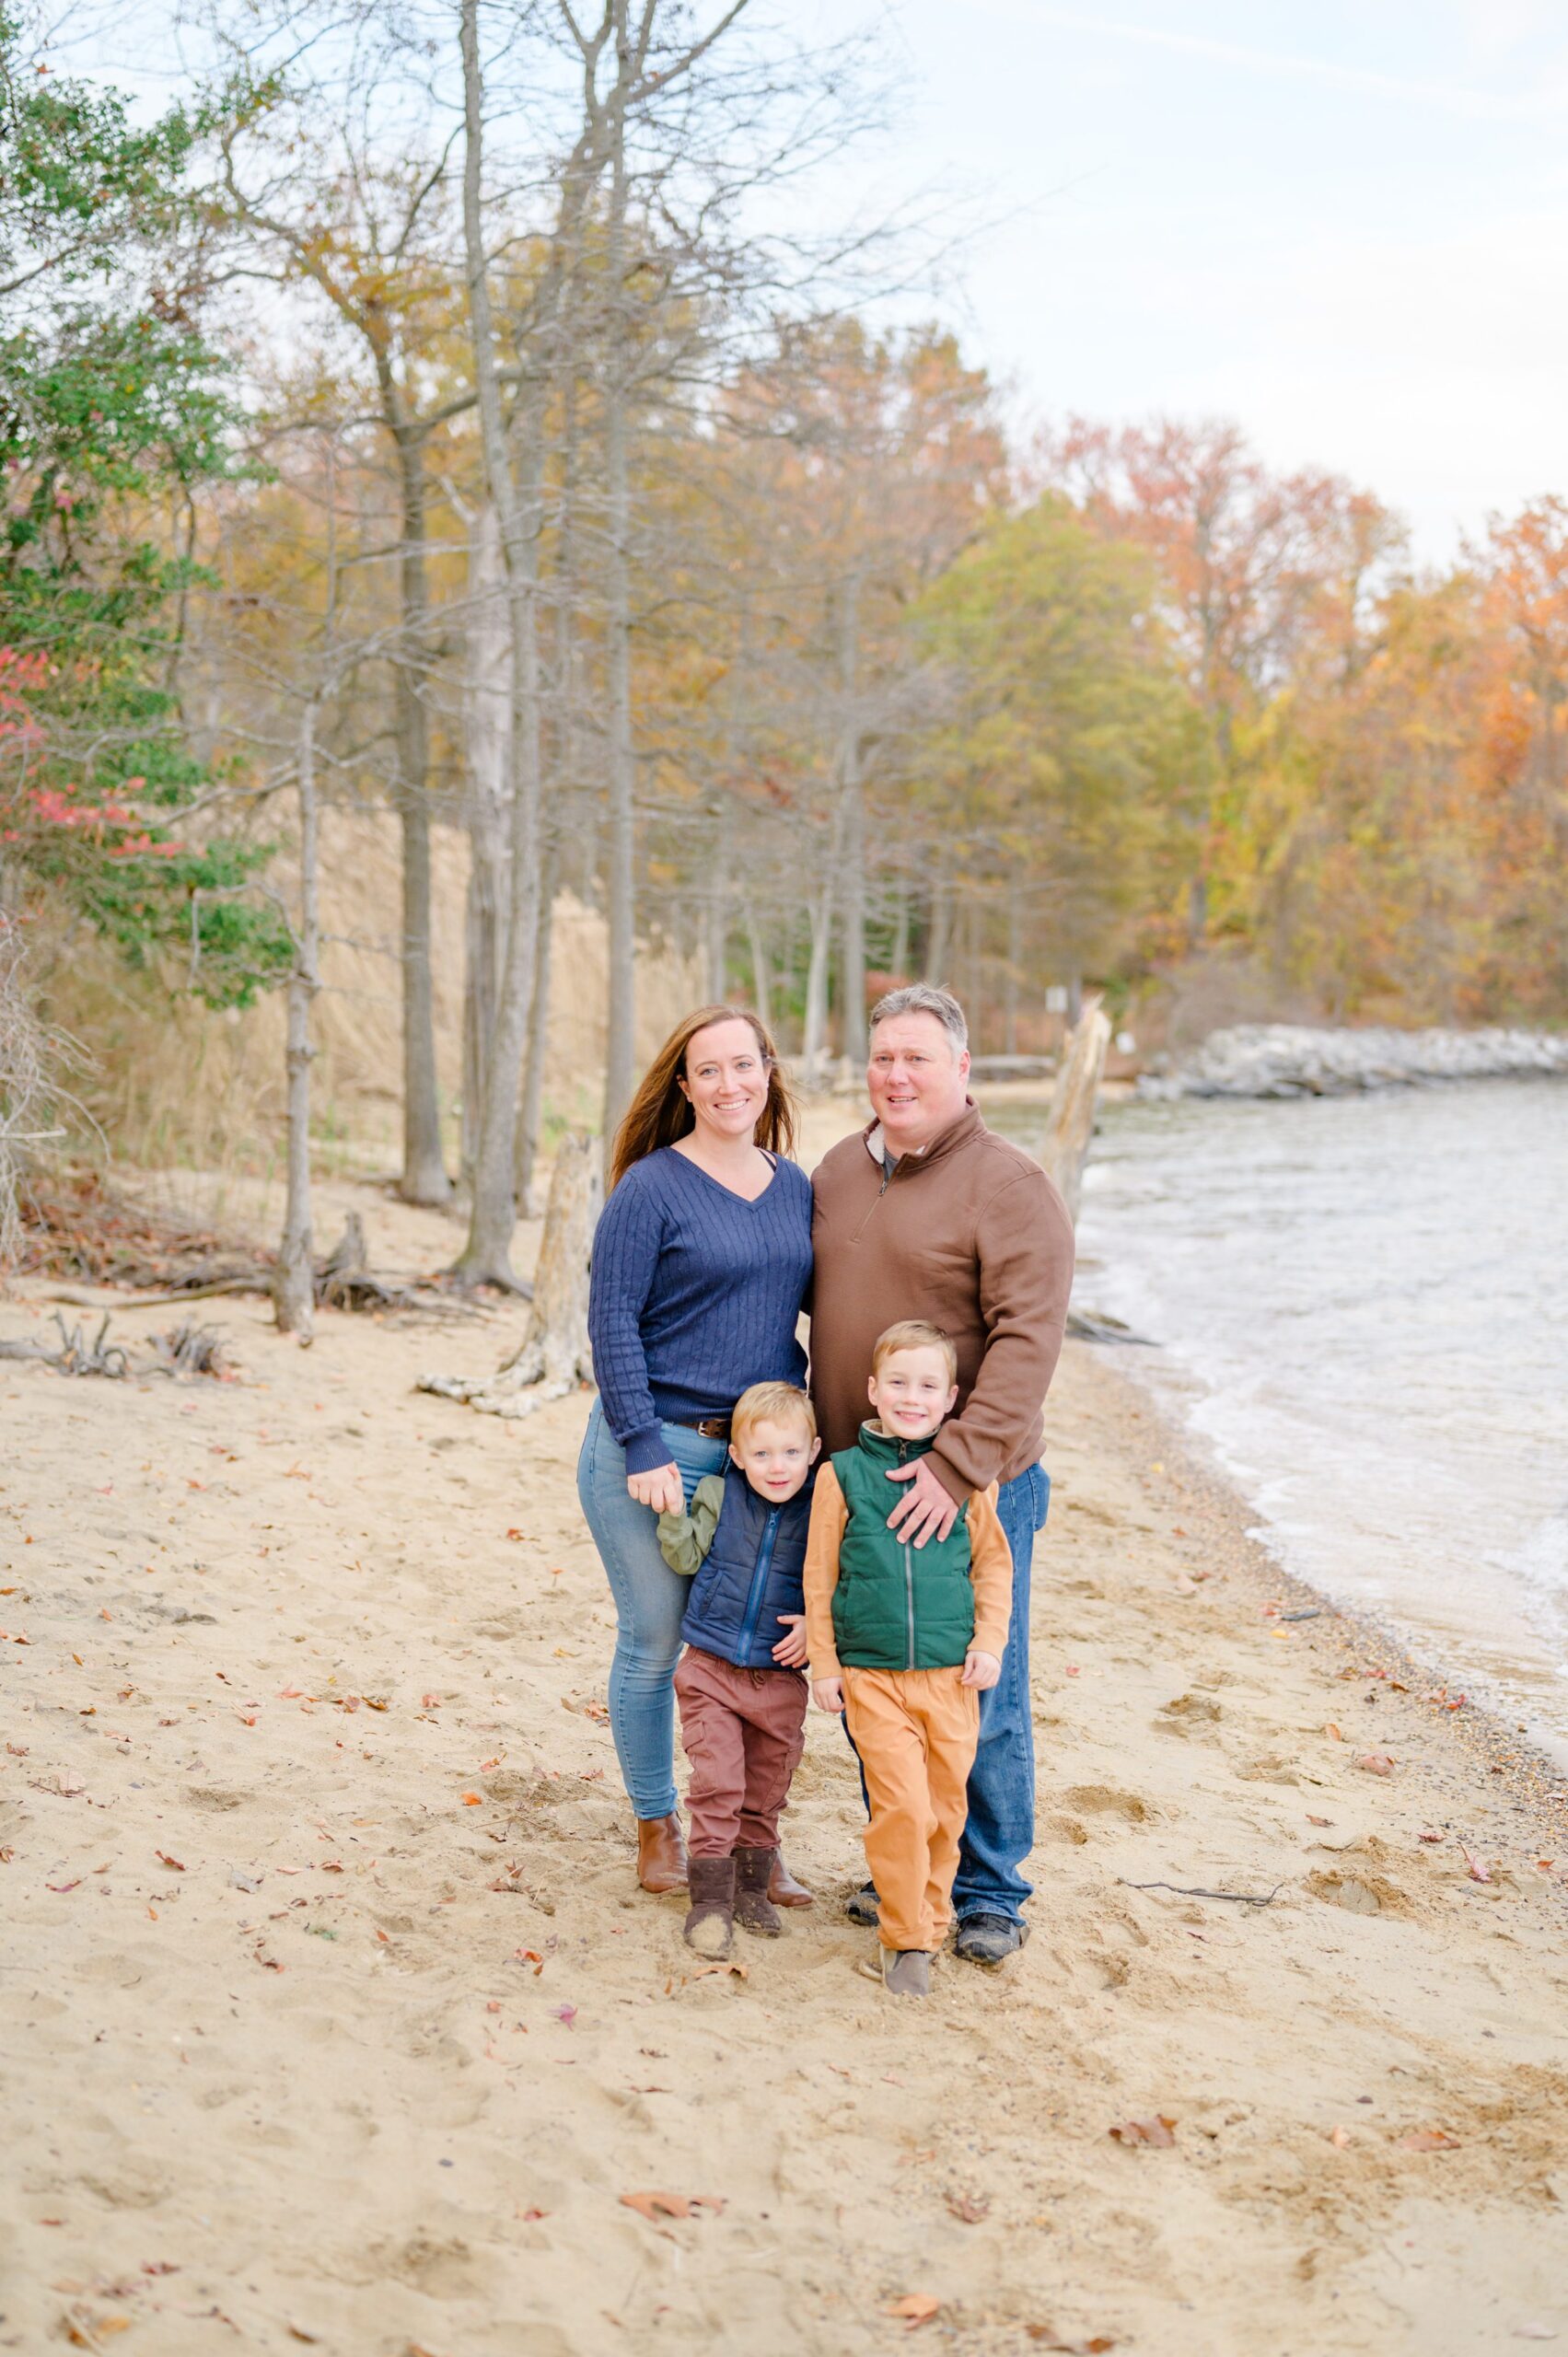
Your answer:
<point x="649" y="1601"/>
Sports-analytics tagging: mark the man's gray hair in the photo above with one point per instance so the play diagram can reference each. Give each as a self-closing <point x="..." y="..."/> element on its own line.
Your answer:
<point x="925" y="998"/>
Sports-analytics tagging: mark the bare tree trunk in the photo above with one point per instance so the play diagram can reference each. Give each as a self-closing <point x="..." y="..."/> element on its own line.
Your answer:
<point x="487" y="709"/>
<point x="1015" y="958"/>
<point x="851" y="799"/>
<point x="1070" y="1126"/>
<point x="620" y="849"/>
<point x="761" y="975"/>
<point x="939" y="937"/>
<point x="898" y="956"/>
<point x="486" y="1255"/>
<point x="716" y="913"/>
<point x="554" y="1358"/>
<point x="813" y="1046"/>
<point x="293" y="1279"/>
<point x="531" y="1106"/>
<point x="424" y="1178"/>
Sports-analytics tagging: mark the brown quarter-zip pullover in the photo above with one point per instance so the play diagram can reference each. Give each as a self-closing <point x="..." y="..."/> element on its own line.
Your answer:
<point x="970" y="1235"/>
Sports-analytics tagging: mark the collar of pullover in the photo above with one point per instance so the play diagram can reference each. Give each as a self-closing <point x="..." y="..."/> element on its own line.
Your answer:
<point x="889" y="1449"/>
<point x="968" y="1125"/>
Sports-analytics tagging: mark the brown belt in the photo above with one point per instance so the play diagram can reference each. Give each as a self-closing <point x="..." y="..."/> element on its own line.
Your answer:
<point x="711" y="1427"/>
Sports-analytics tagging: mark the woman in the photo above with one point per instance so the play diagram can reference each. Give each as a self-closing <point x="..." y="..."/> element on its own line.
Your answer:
<point x="701" y="1262"/>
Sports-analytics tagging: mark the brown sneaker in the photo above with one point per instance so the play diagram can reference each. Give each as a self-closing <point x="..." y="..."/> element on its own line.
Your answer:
<point x="753" y="1909"/>
<point x="710" y="1921"/>
<point x="906" y="1972"/>
<point x="661" y="1854"/>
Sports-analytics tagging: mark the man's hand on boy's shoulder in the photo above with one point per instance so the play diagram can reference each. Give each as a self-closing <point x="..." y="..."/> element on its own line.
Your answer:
<point x="980" y="1669"/>
<point x="828" y="1693"/>
<point x="927" y="1508"/>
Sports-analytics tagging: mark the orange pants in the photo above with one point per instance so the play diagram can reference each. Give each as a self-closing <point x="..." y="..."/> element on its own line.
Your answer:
<point x="916" y="1730"/>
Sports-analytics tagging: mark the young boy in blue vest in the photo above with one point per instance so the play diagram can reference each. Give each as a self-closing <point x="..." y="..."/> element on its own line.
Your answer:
<point x="740" y="1686"/>
<point x="904" y="1639"/>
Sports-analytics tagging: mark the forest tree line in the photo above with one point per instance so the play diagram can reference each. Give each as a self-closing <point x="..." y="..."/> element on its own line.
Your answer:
<point x="442" y="410"/>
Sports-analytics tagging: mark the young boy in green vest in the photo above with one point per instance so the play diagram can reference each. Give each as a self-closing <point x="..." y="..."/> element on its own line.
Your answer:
<point x="903" y="1639"/>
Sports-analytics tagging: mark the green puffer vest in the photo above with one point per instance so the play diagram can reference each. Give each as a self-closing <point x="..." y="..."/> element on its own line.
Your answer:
<point x="897" y="1606"/>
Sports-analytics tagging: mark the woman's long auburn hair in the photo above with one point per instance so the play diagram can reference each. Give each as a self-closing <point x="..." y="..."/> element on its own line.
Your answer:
<point x="660" y="1113"/>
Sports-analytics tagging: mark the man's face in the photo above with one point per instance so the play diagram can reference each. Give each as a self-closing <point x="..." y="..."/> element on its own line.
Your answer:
<point x="775" y="1457"/>
<point x="916" y="1081"/>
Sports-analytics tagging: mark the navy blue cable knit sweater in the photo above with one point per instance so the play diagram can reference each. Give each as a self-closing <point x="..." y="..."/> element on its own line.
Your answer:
<point x="693" y="1294"/>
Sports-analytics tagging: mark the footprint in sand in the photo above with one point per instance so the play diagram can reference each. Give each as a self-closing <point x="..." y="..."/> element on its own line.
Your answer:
<point x="1187" y="1714"/>
<point x="1107" y="1800"/>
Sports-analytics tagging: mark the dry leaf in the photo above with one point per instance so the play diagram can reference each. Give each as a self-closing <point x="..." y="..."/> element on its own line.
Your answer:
<point x="515" y="1534"/>
<point x="62" y="1887"/>
<point x="741" y="1971"/>
<point x="1377" y="1763"/>
<point x="1048" y="2337"/>
<point x="1429" y="1833"/>
<point x="1318" y="1821"/>
<point x="165" y="1860"/>
<point x="473" y="1800"/>
<point x="1477" y="1870"/>
<point x="915" y="2308"/>
<point x="1427" y="2140"/>
<point x="1146" y="2131"/>
<point x="1340" y="2136"/>
<point x="1334" y="1734"/>
<point x="671" y="2205"/>
<point x="970" y="2207"/>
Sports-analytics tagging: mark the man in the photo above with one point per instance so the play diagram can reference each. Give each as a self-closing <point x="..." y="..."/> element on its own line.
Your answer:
<point x="926" y="1214"/>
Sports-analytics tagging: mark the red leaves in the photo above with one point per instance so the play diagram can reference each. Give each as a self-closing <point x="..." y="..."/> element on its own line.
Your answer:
<point x="1475" y="1867"/>
<point x="165" y="1860"/>
<point x="1375" y="1763"/>
<point x="1427" y="2140"/>
<point x="654" y="2206"/>
<point x="1157" y="2130"/>
<point x="1047" y="2336"/>
<point x="473" y="1800"/>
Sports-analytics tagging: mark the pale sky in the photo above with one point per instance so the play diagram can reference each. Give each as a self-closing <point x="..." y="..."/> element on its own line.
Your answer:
<point x="1344" y="225"/>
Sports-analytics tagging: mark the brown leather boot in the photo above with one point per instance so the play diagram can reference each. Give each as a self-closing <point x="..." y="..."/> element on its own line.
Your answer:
<point x="661" y="1854"/>
<point x="753" y="1910"/>
<point x="783" y="1888"/>
<point x="710" y="1921"/>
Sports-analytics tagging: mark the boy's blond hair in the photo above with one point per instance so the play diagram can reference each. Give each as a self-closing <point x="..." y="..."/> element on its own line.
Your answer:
<point x="914" y="1334"/>
<point x="772" y="1403"/>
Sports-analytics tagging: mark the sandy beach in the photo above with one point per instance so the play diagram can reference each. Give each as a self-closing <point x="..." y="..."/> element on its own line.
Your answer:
<point x="332" y="2016"/>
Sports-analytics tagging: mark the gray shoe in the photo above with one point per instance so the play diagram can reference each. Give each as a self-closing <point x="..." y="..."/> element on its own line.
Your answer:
<point x="906" y="1972"/>
<point x="989" y="1939"/>
<point x="860" y="1906"/>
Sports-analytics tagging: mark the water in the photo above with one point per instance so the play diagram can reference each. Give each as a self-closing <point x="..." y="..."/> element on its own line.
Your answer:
<point x="1363" y="1305"/>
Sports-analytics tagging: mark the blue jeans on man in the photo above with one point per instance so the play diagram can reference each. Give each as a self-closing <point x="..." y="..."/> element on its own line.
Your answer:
<point x="1000" y="1831"/>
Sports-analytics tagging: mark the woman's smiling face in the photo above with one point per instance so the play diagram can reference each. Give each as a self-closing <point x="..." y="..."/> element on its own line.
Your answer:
<point x="726" y="1081"/>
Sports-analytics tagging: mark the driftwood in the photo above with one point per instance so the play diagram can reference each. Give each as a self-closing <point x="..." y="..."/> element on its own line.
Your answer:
<point x="554" y="1358"/>
<point x="75" y="1355"/>
<point x="1071" y="1123"/>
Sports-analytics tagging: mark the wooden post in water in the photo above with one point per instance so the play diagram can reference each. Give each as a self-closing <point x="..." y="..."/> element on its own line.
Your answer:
<point x="1071" y="1123"/>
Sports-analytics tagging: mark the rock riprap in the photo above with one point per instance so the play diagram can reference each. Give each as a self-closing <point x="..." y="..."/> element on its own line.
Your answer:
<point x="1294" y="1060"/>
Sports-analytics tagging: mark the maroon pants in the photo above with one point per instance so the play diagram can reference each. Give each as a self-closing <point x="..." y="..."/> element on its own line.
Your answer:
<point x="744" y="1731"/>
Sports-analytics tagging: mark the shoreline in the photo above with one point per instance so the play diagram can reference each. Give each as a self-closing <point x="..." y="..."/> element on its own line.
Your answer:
<point x="417" y="2126"/>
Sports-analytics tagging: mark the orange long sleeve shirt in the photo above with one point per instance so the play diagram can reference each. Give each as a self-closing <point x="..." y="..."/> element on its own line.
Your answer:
<point x="990" y="1571"/>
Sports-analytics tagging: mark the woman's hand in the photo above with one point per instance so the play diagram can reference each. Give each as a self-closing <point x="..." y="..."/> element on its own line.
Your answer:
<point x="791" y="1652"/>
<point x="661" y="1489"/>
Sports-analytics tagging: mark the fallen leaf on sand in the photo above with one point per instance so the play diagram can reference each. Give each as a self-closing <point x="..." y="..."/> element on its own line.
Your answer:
<point x="1334" y="1734"/>
<point x="1477" y="1869"/>
<point x="165" y="1860"/>
<point x="1318" y="1821"/>
<point x="915" y="2308"/>
<point x="1427" y="2140"/>
<point x="1340" y="2136"/>
<point x="515" y="1534"/>
<point x="970" y="2207"/>
<point x="1048" y="2337"/>
<point x="568" y="2013"/>
<point x="529" y="2215"/>
<point x="473" y="1800"/>
<point x="741" y="1971"/>
<point x="1375" y="1763"/>
<point x="670" y="2205"/>
<point x="303" y="2332"/>
<point x="61" y="1885"/>
<point x="1429" y="1833"/>
<point x="1146" y="2131"/>
<point x="429" y="1702"/>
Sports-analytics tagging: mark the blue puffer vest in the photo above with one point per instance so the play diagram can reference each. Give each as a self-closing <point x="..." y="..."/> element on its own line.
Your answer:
<point x="752" y="1574"/>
